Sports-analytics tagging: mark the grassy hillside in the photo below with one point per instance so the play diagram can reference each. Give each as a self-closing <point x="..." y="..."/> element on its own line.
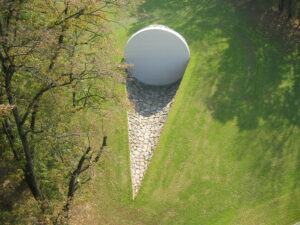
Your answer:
<point x="230" y="150"/>
<point x="229" y="153"/>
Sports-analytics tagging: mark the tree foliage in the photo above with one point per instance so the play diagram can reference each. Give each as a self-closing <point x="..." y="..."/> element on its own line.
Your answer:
<point x="57" y="60"/>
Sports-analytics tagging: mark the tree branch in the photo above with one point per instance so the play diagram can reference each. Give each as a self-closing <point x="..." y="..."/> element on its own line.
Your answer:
<point x="34" y="101"/>
<point x="10" y="137"/>
<point x="74" y="181"/>
<point x="74" y="15"/>
<point x="40" y="94"/>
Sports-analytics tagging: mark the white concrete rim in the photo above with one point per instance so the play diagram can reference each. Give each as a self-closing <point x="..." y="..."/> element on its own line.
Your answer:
<point x="162" y="28"/>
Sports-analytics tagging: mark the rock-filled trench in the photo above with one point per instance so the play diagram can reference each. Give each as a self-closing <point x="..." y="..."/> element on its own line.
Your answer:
<point x="151" y="106"/>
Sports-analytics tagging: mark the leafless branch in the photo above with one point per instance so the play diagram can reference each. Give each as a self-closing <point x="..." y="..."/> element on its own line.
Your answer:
<point x="75" y="181"/>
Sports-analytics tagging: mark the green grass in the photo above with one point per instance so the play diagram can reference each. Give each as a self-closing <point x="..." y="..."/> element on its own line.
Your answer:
<point x="230" y="150"/>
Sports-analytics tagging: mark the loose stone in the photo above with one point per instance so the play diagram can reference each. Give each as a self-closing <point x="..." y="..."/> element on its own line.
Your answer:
<point x="151" y="106"/>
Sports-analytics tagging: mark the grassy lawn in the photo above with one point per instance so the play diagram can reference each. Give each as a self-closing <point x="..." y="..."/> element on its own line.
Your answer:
<point x="230" y="150"/>
<point x="229" y="153"/>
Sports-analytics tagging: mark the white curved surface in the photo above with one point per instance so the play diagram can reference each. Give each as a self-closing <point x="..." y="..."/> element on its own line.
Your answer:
<point x="158" y="54"/>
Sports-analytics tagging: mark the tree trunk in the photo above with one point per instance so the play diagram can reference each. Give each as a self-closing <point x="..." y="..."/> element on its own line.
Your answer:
<point x="29" y="165"/>
<point x="289" y="9"/>
<point x="281" y="5"/>
<point x="63" y="216"/>
<point x="1" y="128"/>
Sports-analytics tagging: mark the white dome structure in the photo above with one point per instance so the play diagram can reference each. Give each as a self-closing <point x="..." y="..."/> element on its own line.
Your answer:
<point x="158" y="54"/>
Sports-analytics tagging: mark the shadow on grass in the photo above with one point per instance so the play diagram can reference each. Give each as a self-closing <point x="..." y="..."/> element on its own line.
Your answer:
<point x="257" y="82"/>
<point x="256" y="79"/>
<point x="242" y="76"/>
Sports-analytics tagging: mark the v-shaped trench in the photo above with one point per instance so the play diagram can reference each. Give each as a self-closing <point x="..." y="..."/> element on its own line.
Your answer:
<point x="151" y="106"/>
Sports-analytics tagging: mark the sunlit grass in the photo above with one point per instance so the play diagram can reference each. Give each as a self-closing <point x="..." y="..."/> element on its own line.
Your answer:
<point x="229" y="152"/>
<point x="230" y="142"/>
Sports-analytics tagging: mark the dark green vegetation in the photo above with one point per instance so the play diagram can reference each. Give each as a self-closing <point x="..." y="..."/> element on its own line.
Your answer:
<point x="59" y="81"/>
<point x="230" y="150"/>
<point x="229" y="153"/>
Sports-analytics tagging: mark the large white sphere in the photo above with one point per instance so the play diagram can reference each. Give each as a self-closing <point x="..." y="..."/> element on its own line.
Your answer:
<point x="158" y="54"/>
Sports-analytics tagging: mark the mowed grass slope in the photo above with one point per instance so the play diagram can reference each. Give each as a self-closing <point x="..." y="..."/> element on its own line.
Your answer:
<point x="230" y="150"/>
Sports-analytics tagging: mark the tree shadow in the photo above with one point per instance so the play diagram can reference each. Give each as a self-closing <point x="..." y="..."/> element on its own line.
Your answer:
<point x="263" y="84"/>
<point x="191" y="18"/>
<point x="257" y="85"/>
<point x="12" y="191"/>
<point x="245" y="77"/>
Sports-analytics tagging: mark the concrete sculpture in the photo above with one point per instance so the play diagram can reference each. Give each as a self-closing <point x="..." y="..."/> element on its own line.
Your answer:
<point x="158" y="54"/>
<point x="159" y="57"/>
